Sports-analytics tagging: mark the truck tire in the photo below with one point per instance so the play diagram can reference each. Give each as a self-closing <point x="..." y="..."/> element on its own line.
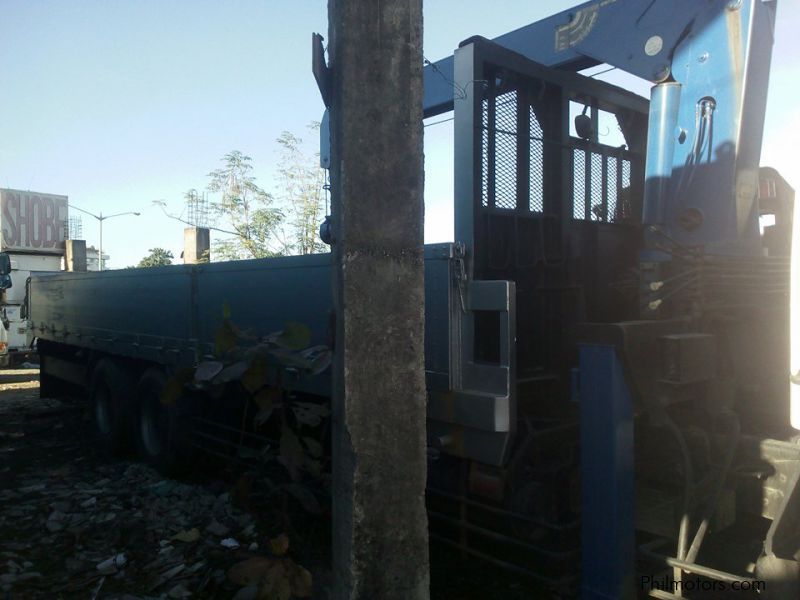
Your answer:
<point x="161" y="432"/>
<point x="111" y="396"/>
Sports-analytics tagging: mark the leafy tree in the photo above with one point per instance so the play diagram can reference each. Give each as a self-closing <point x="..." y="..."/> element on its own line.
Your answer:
<point x="301" y="183"/>
<point x="255" y="223"/>
<point x="158" y="257"/>
<point x="245" y="208"/>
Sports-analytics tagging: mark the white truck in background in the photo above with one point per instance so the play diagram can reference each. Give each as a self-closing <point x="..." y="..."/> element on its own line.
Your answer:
<point x="33" y="231"/>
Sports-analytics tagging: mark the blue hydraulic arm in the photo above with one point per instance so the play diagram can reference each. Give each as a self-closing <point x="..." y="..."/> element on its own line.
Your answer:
<point x="644" y="34"/>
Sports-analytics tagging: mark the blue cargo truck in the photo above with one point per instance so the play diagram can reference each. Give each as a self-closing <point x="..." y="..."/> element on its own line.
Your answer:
<point x="607" y="339"/>
<point x="107" y="332"/>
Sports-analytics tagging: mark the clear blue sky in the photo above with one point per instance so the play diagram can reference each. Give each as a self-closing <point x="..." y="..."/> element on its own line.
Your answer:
<point x="116" y="104"/>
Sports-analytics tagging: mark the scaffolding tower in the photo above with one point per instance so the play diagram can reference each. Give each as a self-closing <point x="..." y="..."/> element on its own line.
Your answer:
<point x="74" y="229"/>
<point x="197" y="208"/>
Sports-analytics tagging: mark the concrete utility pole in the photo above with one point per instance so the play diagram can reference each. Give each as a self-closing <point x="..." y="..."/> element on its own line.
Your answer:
<point x="380" y="538"/>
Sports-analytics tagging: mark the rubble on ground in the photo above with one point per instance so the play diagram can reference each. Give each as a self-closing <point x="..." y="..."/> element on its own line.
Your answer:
<point x="76" y="524"/>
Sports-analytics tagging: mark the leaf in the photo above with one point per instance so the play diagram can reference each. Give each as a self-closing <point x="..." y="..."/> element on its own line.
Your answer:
<point x="255" y="377"/>
<point x="321" y="362"/>
<point x="294" y="336"/>
<point x="314" y="447"/>
<point x="302" y="583"/>
<point x="289" y="358"/>
<point x="226" y="311"/>
<point x="309" y="413"/>
<point x="259" y="351"/>
<point x="313" y="466"/>
<point x="250" y="571"/>
<point x="291" y="452"/>
<point x="215" y="392"/>
<point x="318" y="358"/>
<point x="279" y="545"/>
<point x="265" y="400"/>
<point x="268" y="397"/>
<point x="304" y="496"/>
<point x="191" y="535"/>
<point x="243" y="334"/>
<point x="249" y="592"/>
<point x="276" y="584"/>
<point x="231" y="373"/>
<point x="173" y="390"/>
<point x="224" y="338"/>
<point x="278" y="579"/>
<point x="207" y="370"/>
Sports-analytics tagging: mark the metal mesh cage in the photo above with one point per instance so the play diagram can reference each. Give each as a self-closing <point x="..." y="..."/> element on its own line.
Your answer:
<point x="578" y="184"/>
<point x="598" y="210"/>
<point x="600" y="185"/>
<point x="611" y="167"/>
<point x="505" y="178"/>
<point x="536" y="167"/>
<point x="514" y="151"/>
<point x="499" y="151"/>
<point x="485" y="152"/>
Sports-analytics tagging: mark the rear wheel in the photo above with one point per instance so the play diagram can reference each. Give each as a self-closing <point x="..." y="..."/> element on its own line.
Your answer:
<point x="161" y="430"/>
<point x="111" y="396"/>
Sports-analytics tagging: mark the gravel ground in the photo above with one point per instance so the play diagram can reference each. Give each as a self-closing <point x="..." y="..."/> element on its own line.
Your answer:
<point x="75" y="523"/>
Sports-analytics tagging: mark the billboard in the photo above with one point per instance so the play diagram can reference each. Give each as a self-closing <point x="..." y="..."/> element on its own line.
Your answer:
<point x="32" y="222"/>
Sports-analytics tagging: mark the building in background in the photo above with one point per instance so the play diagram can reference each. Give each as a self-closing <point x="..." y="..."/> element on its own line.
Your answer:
<point x="93" y="258"/>
<point x="33" y="230"/>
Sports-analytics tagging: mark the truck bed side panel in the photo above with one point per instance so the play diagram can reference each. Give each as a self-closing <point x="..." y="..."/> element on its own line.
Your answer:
<point x="171" y="315"/>
<point x="135" y="313"/>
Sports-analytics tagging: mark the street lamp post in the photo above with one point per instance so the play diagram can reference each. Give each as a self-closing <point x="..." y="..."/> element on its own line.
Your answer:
<point x="102" y="218"/>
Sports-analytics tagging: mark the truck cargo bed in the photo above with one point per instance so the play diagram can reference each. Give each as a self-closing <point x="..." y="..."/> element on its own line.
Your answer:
<point x="170" y="315"/>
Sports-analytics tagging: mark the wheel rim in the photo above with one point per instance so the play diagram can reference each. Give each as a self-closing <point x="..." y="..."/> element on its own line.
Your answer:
<point x="152" y="426"/>
<point x="102" y="410"/>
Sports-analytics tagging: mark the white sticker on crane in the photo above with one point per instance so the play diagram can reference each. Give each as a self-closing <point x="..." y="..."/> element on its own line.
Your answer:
<point x="581" y="23"/>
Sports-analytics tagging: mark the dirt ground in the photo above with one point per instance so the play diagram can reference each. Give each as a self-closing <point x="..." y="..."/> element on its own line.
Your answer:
<point x="76" y="523"/>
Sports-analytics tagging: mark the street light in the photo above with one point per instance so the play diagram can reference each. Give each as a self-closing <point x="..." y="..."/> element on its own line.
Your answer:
<point x="102" y="218"/>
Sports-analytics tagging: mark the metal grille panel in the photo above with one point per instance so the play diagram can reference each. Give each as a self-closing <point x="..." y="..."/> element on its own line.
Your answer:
<point x="578" y="184"/>
<point x="626" y="173"/>
<point x="499" y="163"/>
<point x="613" y="192"/>
<point x="624" y="207"/>
<point x="485" y="153"/>
<point x="514" y="176"/>
<point x="536" y="172"/>
<point x="505" y="190"/>
<point x="596" y="171"/>
<point x="605" y="189"/>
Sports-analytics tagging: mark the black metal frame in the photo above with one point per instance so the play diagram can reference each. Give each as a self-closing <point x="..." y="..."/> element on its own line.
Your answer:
<point x="534" y="238"/>
<point x="552" y="263"/>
